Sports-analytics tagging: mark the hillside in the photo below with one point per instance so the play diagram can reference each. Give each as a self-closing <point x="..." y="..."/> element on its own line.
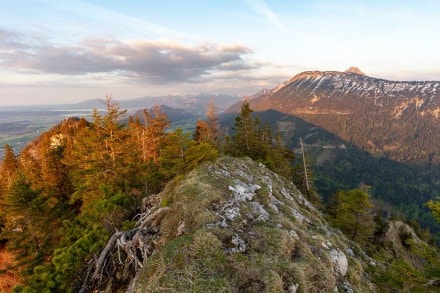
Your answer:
<point x="362" y="130"/>
<point x="174" y="115"/>
<point x="337" y="164"/>
<point x="102" y="206"/>
<point x="235" y="226"/>
<point x="246" y="229"/>
<point x="21" y="124"/>
<point x="398" y="119"/>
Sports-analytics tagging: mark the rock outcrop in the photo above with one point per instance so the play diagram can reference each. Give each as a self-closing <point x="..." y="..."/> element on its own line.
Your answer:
<point x="246" y="229"/>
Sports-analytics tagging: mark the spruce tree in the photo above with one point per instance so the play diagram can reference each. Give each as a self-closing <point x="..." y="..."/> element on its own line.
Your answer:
<point x="435" y="209"/>
<point x="352" y="212"/>
<point x="7" y="169"/>
<point x="245" y="128"/>
<point x="212" y="123"/>
<point x="257" y="142"/>
<point x="201" y="133"/>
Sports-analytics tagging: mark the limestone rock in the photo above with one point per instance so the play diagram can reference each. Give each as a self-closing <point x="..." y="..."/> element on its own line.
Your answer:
<point x="339" y="261"/>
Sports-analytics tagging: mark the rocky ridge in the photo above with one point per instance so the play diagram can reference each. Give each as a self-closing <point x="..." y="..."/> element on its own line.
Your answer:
<point x="236" y="226"/>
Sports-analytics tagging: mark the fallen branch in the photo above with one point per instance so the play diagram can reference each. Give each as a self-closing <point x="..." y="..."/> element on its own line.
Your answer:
<point x="102" y="257"/>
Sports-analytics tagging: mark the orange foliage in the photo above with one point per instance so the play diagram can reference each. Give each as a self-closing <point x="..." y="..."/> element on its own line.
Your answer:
<point x="8" y="277"/>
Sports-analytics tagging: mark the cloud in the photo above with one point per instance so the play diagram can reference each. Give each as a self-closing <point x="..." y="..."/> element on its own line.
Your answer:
<point x="261" y="8"/>
<point x="10" y="40"/>
<point x="157" y="61"/>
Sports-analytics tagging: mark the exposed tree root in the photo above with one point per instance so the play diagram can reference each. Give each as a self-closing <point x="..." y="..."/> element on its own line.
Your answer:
<point x="126" y="251"/>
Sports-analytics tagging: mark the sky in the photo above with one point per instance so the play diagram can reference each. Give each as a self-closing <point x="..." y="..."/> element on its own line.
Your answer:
<point x="68" y="51"/>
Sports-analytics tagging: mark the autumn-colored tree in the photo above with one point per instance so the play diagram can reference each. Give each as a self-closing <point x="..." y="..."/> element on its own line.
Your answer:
<point x="207" y="131"/>
<point x="212" y="122"/>
<point x="8" y="169"/>
<point x="153" y="133"/>
<point x="201" y="134"/>
<point x="102" y="155"/>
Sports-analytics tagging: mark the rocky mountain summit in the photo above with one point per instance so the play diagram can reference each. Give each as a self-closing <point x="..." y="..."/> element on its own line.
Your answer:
<point x="235" y="226"/>
<point x="396" y="118"/>
<point x="355" y="70"/>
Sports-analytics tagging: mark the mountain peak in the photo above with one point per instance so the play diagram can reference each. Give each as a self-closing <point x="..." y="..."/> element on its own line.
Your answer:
<point x="355" y="70"/>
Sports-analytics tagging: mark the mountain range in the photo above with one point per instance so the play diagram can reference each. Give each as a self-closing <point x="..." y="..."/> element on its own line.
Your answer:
<point x="195" y="104"/>
<point x="398" y="119"/>
<point x="361" y="131"/>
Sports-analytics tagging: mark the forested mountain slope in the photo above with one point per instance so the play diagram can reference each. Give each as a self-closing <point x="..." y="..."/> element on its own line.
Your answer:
<point x="398" y="119"/>
<point x="337" y="164"/>
<point x="362" y="130"/>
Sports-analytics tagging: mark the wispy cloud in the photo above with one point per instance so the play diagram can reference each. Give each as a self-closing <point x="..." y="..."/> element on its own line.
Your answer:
<point x="261" y="8"/>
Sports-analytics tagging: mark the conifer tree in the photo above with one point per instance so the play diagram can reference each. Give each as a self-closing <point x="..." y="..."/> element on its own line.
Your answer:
<point x="435" y="209"/>
<point x="181" y="154"/>
<point x="201" y="133"/>
<point x="304" y="178"/>
<point x="102" y="155"/>
<point x="153" y="133"/>
<point x="29" y="227"/>
<point x="212" y="122"/>
<point x="245" y="128"/>
<point x="7" y="169"/>
<point x="208" y="130"/>
<point x="257" y="142"/>
<point x="352" y="212"/>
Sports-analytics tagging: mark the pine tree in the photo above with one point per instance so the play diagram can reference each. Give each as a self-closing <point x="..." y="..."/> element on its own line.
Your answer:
<point x="180" y="154"/>
<point x="245" y="128"/>
<point x="212" y="122"/>
<point x="153" y="133"/>
<point x="201" y="133"/>
<point x="435" y="209"/>
<point x="207" y="130"/>
<point x="352" y="212"/>
<point x="29" y="226"/>
<point x="103" y="158"/>
<point x="257" y="142"/>
<point x="7" y="169"/>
